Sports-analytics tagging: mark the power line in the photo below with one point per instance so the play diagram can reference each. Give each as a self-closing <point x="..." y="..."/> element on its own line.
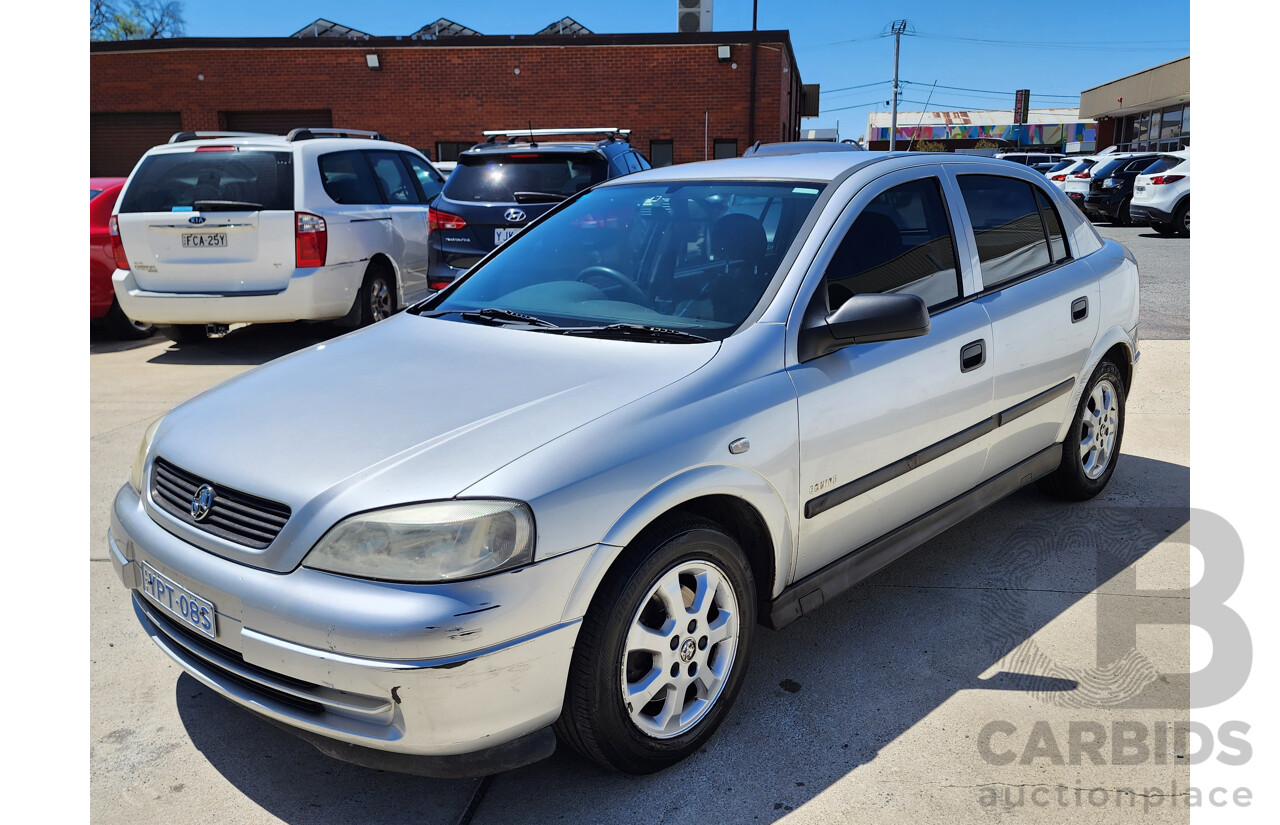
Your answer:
<point x="994" y="91"/>
<point x="858" y="106"/>
<point x="1093" y="46"/>
<point x="862" y="86"/>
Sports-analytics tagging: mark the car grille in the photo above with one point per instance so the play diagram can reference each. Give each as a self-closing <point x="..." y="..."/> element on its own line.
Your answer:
<point x="235" y="516"/>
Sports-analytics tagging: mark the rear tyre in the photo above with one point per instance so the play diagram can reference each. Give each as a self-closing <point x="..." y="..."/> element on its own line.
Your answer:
<point x="1182" y="219"/>
<point x="118" y="325"/>
<point x="1092" y="446"/>
<point x="377" y="299"/>
<point x="662" y="651"/>
<point x="184" y="333"/>
<point x="1123" y="218"/>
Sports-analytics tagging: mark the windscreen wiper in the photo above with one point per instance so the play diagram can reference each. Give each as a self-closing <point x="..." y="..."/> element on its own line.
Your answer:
<point x="494" y="315"/>
<point x="226" y="206"/>
<point x="636" y="332"/>
<point x="538" y="197"/>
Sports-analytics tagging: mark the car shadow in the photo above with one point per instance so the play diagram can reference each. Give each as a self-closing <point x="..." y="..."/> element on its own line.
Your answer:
<point x="251" y="344"/>
<point x="1160" y="237"/>
<point x="823" y="696"/>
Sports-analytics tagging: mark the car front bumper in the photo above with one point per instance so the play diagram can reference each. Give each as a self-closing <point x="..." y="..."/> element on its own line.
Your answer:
<point x="502" y="651"/>
<point x="317" y="294"/>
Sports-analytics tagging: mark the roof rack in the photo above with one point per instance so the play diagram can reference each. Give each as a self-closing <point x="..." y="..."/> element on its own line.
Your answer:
<point x="183" y="137"/>
<point x="318" y="132"/>
<point x="609" y="133"/>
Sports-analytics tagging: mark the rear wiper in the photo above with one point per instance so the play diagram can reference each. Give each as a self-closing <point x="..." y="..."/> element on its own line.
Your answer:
<point x="636" y="332"/>
<point x="539" y="197"/>
<point x="494" y="314"/>
<point x="226" y="206"/>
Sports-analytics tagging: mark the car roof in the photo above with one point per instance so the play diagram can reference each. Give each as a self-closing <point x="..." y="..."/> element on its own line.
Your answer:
<point x="574" y="147"/>
<point x="278" y="143"/>
<point x="813" y="166"/>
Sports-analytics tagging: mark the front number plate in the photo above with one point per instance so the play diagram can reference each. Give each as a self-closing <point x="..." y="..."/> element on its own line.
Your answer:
<point x="506" y="233"/>
<point x="204" y="239"/>
<point x="193" y="611"/>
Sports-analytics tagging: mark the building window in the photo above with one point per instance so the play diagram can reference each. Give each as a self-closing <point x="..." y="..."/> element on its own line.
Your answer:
<point x="450" y="149"/>
<point x="661" y="153"/>
<point x="725" y="149"/>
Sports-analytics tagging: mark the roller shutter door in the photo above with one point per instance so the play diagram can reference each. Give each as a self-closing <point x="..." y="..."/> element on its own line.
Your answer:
<point x="118" y="139"/>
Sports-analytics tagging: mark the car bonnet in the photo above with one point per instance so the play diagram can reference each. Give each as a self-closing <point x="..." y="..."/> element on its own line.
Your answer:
<point x="412" y="409"/>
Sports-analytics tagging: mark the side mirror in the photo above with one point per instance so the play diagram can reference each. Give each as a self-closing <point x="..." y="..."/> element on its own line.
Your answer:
<point x="865" y="319"/>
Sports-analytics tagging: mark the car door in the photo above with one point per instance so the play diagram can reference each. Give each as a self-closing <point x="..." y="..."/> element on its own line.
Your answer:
<point x="890" y="430"/>
<point x="1043" y="306"/>
<point x="408" y="216"/>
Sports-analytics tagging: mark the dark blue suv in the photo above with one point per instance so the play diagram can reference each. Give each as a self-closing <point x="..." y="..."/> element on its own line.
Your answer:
<point x="499" y="186"/>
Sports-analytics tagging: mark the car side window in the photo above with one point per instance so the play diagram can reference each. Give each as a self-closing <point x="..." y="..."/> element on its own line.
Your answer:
<point x="633" y="165"/>
<point x="1052" y="226"/>
<point x="1006" y="226"/>
<point x="429" y="179"/>
<point x="901" y="242"/>
<point x="348" y="179"/>
<point x="393" y="178"/>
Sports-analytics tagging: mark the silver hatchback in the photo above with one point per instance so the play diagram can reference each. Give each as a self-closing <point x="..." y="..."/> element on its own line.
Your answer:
<point x="554" y="501"/>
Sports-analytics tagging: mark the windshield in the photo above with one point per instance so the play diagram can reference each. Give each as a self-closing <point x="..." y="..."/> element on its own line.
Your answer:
<point x="524" y="176"/>
<point x="689" y="256"/>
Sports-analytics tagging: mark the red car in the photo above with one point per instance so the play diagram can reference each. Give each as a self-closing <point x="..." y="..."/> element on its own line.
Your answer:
<point x="102" y="263"/>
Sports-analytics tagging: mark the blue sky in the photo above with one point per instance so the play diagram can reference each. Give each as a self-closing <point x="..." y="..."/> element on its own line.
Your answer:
<point x="988" y="49"/>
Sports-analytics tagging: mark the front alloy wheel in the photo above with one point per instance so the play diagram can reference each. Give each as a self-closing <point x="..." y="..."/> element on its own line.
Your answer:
<point x="662" y="651"/>
<point x="679" y="649"/>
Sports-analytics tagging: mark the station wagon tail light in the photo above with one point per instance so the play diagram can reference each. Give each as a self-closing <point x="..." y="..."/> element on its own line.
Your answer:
<point x="1160" y="180"/>
<point x="312" y="239"/>
<point x="443" y="220"/>
<point x="117" y="245"/>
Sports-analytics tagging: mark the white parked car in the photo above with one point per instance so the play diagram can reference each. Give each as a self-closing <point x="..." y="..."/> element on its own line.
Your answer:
<point x="1162" y="194"/>
<point x="1062" y="171"/>
<point x="219" y="228"/>
<point x="683" y="403"/>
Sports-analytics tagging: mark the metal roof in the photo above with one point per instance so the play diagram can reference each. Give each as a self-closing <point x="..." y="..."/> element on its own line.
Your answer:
<point x="444" y="27"/>
<point x="328" y="28"/>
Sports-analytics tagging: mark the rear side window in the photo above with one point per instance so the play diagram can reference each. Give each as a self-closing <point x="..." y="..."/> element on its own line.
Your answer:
<point x="429" y="179"/>
<point x="1052" y="226"/>
<point x="900" y="243"/>
<point x="1006" y="226"/>
<point x="175" y="182"/>
<point x="393" y="178"/>
<point x="348" y="179"/>
<point x="524" y="177"/>
<point x="1139" y="165"/>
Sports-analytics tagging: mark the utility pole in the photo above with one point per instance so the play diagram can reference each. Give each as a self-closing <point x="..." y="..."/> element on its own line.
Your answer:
<point x="899" y="26"/>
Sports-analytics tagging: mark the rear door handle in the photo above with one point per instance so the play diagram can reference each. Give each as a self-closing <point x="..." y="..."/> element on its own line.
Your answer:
<point x="973" y="355"/>
<point x="1079" y="310"/>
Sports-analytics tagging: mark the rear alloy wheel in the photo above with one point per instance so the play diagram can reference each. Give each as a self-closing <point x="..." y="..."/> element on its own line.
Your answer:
<point x="119" y="325"/>
<point x="663" y="650"/>
<point x="377" y="294"/>
<point x="1092" y="445"/>
<point x="1182" y="219"/>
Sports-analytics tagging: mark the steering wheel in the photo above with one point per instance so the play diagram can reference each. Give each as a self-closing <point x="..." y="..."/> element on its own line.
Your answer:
<point x="632" y="292"/>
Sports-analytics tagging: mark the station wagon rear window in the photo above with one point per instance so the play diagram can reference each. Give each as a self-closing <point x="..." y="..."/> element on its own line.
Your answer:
<point x="169" y="182"/>
<point x="524" y="177"/>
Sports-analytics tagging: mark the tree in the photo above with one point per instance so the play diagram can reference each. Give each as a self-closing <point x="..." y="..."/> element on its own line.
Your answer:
<point x="139" y="20"/>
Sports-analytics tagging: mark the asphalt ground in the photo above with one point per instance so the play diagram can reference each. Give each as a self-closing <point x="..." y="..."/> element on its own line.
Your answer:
<point x="965" y="683"/>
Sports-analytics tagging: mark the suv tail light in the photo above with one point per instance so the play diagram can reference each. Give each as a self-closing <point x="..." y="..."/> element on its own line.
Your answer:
<point x="311" y="237"/>
<point x="117" y="245"/>
<point x="443" y="220"/>
<point x="1082" y="175"/>
<point x="1159" y="180"/>
<point x="1059" y="177"/>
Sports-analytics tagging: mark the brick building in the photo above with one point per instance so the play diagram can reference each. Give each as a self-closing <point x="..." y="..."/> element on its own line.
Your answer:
<point x="685" y="96"/>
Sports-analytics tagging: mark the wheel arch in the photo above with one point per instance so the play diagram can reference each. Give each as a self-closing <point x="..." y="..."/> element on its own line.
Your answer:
<point x="739" y="500"/>
<point x="1115" y="343"/>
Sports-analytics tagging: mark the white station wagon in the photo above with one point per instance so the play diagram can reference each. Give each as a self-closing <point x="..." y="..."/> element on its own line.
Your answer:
<point x="216" y="228"/>
<point x="682" y="404"/>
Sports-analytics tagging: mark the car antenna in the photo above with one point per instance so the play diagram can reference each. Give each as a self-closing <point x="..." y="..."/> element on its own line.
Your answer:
<point x="532" y="143"/>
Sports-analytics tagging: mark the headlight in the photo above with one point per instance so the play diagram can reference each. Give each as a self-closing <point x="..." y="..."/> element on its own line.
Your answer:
<point x="140" y="457"/>
<point x="432" y="542"/>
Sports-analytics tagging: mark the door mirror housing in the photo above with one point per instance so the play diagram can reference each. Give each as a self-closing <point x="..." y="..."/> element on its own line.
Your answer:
<point x="864" y="319"/>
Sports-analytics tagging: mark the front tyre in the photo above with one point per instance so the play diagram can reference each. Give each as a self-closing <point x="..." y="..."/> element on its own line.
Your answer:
<point x="663" y="650"/>
<point x="1092" y="445"/>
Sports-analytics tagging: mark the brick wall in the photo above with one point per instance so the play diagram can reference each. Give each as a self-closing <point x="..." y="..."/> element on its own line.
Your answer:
<point x="428" y="93"/>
